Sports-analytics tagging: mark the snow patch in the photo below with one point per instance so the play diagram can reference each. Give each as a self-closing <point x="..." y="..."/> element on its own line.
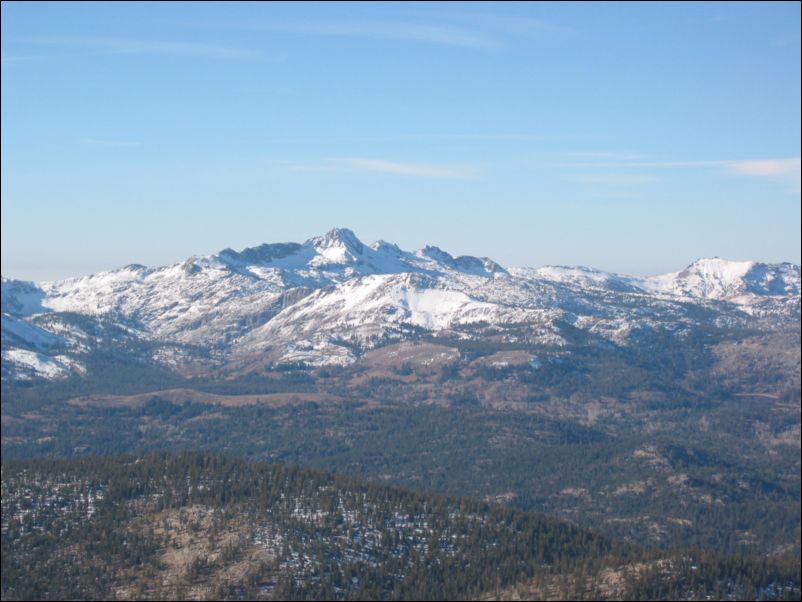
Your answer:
<point x="30" y="363"/>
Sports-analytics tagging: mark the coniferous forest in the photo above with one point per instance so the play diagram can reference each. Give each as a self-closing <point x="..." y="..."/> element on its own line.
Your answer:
<point x="205" y="526"/>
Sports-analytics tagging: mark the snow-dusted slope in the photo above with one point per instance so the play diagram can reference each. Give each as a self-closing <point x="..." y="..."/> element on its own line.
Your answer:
<point x="743" y="283"/>
<point x="325" y="300"/>
<point x="367" y="311"/>
<point x="579" y="276"/>
<point x="178" y="303"/>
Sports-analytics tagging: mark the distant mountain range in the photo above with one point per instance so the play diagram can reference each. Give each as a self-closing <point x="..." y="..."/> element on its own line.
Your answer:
<point x="328" y="300"/>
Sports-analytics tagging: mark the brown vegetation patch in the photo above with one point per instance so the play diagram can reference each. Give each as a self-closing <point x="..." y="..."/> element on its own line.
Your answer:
<point x="635" y="487"/>
<point x="756" y="365"/>
<point x="203" y="552"/>
<point x="771" y="439"/>
<point x="503" y="359"/>
<point x="419" y="357"/>
<point x="181" y="396"/>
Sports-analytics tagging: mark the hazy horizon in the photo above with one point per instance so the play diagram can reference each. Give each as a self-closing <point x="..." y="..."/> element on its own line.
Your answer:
<point x="412" y="249"/>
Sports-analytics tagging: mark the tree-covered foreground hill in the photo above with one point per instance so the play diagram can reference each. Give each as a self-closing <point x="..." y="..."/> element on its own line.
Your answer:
<point x="206" y="526"/>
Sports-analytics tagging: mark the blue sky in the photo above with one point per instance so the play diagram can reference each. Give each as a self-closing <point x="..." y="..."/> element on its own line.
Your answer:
<point x="633" y="138"/>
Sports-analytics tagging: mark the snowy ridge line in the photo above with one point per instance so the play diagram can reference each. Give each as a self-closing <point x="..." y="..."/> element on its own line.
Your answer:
<point x="321" y="301"/>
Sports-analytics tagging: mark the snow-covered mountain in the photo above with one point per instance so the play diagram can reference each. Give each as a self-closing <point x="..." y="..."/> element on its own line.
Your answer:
<point x="740" y="282"/>
<point x="327" y="300"/>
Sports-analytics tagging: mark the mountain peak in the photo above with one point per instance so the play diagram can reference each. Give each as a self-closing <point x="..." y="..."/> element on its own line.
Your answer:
<point x="722" y="279"/>
<point x="338" y="237"/>
<point x="265" y="253"/>
<point x="383" y="245"/>
<point x="437" y="254"/>
<point x="715" y="273"/>
<point x="718" y="264"/>
<point x="338" y="246"/>
<point x="463" y="263"/>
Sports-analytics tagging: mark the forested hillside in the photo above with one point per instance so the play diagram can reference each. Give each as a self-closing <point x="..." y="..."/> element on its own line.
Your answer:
<point x="206" y="526"/>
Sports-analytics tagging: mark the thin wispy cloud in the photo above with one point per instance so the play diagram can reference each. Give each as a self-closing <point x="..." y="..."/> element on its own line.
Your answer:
<point x="417" y="170"/>
<point x="120" y="45"/>
<point x="746" y="167"/>
<point x="768" y="167"/>
<point x="361" y="165"/>
<point x="778" y="168"/>
<point x="603" y="155"/>
<point x="431" y="33"/>
<point x="785" y="41"/>
<point x="107" y="143"/>
<point x="519" y="25"/>
<point x="434" y="138"/>
<point x="618" y="180"/>
<point x="11" y="59"/>
<point x="459" y="29"/>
